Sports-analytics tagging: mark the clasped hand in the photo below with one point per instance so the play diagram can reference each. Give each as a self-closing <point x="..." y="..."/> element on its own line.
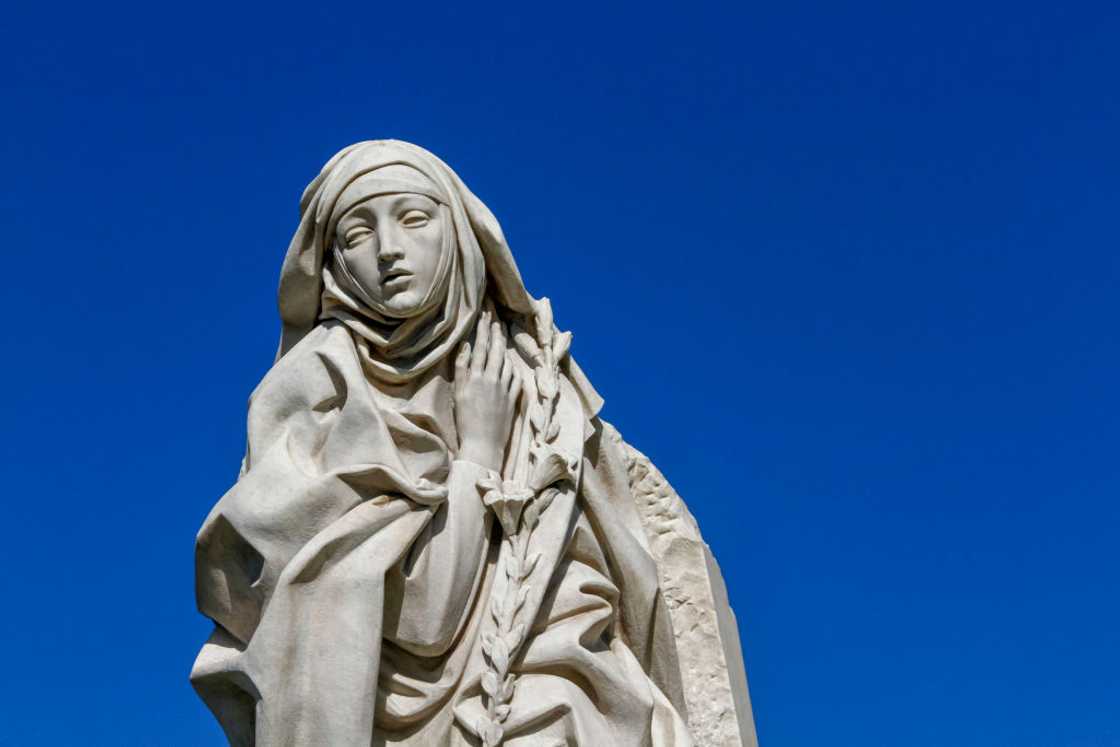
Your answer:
<point x="486" y="392"/>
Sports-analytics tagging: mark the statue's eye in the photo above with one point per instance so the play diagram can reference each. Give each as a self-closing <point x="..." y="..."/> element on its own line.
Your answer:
<point x="357" y="235"/>
<point x="415" y="219"/>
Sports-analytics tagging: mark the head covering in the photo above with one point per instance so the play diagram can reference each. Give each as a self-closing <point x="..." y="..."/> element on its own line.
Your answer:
<point x="476" y="263"/>
<point x="474" y="247"/>
<point x="403" y="346"/>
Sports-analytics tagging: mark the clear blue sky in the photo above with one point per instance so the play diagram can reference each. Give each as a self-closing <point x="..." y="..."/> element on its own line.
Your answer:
<point x="846" y="271"/>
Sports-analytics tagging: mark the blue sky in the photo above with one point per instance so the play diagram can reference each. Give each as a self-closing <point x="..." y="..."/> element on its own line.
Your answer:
<point x="847" y="272"/>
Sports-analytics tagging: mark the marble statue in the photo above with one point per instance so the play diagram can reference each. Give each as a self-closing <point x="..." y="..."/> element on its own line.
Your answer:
<point x="434" y="539"/>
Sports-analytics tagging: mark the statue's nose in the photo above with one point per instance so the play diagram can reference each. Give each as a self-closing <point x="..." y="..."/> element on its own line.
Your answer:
<point x="389" y="250"/>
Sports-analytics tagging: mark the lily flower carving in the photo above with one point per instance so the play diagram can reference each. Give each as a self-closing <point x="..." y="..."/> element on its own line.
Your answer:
<point x="506" y="498"/>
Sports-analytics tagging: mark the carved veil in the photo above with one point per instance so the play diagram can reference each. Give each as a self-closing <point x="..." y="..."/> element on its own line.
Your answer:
<point x="311" y="566"/>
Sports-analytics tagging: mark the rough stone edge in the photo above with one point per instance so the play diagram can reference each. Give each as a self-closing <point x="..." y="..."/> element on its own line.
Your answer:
<point x="674" y="537"/>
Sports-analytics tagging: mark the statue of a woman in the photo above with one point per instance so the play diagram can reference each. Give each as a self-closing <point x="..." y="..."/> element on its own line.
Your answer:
<point x="432" y="540"/>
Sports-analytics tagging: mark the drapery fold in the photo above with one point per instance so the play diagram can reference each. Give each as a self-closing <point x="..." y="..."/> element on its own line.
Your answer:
<point x="315" y="565"/>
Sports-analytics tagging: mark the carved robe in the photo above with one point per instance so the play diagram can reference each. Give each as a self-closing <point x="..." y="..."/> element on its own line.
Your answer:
<point x="350" y="573"/>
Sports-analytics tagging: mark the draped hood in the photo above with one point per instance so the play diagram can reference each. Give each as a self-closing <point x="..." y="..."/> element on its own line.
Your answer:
<point x="338" y="483"/>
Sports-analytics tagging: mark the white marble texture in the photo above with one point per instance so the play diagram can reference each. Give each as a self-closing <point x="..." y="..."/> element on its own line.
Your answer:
<point x="434" y="538"/>
<point x="707" y="635"/>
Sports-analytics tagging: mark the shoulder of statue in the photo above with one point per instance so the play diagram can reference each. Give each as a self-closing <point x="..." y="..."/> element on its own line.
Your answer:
<point x="328" y="346"/>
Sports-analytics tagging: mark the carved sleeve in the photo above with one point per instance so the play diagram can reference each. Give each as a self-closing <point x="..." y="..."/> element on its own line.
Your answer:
<point x="436" y="582"/>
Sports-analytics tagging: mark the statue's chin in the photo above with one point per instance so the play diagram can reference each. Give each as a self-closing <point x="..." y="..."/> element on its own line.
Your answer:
<point x="404" y="304"/>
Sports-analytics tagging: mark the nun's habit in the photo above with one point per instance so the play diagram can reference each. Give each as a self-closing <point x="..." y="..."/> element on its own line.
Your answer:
<point x="348" y="571"/>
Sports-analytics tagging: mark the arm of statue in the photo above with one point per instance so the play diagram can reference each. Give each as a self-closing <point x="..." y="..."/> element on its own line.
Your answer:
<point x="442" y="573"/>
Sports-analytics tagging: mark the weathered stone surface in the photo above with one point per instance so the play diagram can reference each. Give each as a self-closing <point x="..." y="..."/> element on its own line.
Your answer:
<point x="433" y="539"/>
<point x="715" y="681"/>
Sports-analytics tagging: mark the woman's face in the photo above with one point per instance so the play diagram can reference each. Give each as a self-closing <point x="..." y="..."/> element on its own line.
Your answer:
<point x="392" y="245"/>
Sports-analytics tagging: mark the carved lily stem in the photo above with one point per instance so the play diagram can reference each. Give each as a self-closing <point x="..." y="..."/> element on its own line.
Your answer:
<point x="519" y="508"/>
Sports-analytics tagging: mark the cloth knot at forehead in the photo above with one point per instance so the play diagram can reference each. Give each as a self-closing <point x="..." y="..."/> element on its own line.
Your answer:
<point x="394" y="178"/>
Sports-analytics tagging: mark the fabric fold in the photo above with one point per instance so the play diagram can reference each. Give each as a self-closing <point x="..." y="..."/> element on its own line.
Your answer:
<point x="323" y="567"/>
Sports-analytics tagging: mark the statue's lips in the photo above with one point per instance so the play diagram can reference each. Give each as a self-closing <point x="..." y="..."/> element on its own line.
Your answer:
<point x="396" y="278"/>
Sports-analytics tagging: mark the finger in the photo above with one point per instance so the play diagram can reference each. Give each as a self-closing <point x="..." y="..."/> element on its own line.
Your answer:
<point x="515" y="388"/>
<point x="497" y="351"/>
<point x="463" y="359"/>
<point x="507" y="370"/>
<point x="481" y="343"/>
